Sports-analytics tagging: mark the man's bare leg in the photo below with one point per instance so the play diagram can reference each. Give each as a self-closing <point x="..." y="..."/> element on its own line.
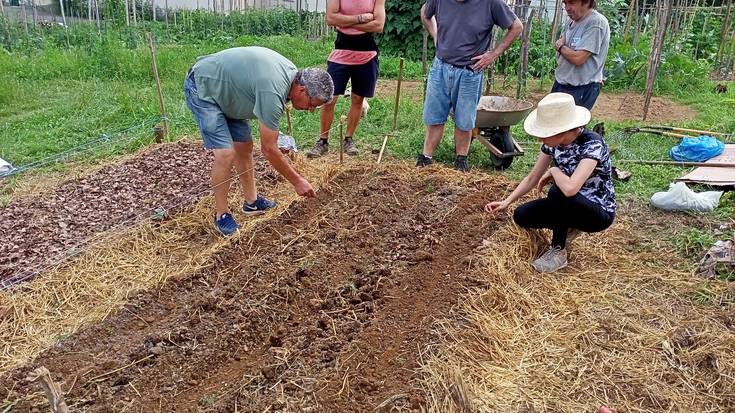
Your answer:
<point x="244" y="165"/>
<point x="432" y="138"/>
<point x="221" y="171"/>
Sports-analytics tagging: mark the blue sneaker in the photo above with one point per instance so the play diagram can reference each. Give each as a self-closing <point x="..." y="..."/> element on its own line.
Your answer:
<point x="260" y="206"/>
<point x="226" y="225"/>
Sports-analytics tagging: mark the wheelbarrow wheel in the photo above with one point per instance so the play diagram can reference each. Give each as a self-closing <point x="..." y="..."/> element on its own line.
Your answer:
<point x="504" y="142"/>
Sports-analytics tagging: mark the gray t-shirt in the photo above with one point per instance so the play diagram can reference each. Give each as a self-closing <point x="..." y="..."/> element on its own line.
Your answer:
<point x="592" y="34"/>
<point x="246" y="83"/>
<point x="464" y="27"/>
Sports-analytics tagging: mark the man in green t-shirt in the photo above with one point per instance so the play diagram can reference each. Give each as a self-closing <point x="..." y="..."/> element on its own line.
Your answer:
<point x="224" y="91"/>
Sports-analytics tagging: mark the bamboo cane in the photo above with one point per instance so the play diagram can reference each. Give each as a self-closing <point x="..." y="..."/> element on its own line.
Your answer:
<point x="555" y="22"/>
<point x="288" y="119"/>
<point x="654" y="60"/>
<point x="154" y="66"/>
<point x="629" y="20"/>
<point x="424" y="53"/>
<point x="703" y="132"/>
<point x="688" y="164"/>
<point x="341" y="138"/>
<point x="398" y="94"/>
<point x="725" y="29"/>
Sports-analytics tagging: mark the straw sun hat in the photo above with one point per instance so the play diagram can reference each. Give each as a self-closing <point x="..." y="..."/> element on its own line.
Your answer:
<point x="556" y="113"/>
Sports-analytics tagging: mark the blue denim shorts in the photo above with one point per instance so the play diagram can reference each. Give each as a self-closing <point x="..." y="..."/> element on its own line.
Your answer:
<point x="449" y="87"/>
<point x="218" y="131"/>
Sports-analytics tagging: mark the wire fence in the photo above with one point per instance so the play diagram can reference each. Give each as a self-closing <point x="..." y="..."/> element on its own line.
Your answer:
<point x="110" y="138"/>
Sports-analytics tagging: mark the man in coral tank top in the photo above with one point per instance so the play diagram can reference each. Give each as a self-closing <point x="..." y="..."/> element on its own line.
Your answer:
<point x="355" y="58"/>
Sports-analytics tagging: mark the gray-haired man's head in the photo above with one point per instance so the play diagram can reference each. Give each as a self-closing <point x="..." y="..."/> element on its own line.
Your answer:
<point x="317" y="82"/>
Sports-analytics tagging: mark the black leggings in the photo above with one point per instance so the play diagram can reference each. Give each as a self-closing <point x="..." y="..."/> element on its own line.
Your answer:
<point x="559" y="213"/>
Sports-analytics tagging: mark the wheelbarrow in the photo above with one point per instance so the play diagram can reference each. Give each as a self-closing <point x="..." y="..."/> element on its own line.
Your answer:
<point x="495" y="116"/>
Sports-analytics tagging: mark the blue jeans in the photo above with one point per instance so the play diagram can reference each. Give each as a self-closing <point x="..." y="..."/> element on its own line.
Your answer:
<point x="584" y="95"/>
<point x="218" y="131"/>
<point x="449" y="87"/>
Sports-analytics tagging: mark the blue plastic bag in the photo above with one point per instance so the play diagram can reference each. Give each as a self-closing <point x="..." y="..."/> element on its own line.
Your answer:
<point x="697" y="149"/>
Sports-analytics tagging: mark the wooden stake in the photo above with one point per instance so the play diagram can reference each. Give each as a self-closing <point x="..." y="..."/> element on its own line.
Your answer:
<point x="53" y="391"/>
<point x="654" y="59"/>
<point x="629" y="19"/>
<point x="25" y="17"/>
<point x="382" y="149"/>
<point x="523" y="67"/>
<point x="34" y="10"/>
<point x="154" y="65"/>
<point x="424" y="53"/>
<point x="341" y="137"/>
<point x="398" y="94"/>
<point x="127" y="15"/>
<point x="135" y="12"/>
<point x="158" y="134"/>
<point x="725" y="30"/>
<point x="556" y="21"/>
<point x="288" y="119"/>
<point x="675" y="163"/>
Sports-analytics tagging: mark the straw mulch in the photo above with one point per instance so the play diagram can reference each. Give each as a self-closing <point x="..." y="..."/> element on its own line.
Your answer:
<point x="36" y="315"/>
<point x="618" y="328"/>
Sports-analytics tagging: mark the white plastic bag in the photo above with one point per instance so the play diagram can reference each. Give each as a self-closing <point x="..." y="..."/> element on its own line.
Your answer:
<point x="5" y="166"/>
<point x="680" y="198"/>
<point x="287" y="143"/>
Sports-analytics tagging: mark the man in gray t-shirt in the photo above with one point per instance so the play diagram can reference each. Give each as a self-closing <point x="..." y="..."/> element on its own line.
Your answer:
<point x="226" y="90"/>
<point x="461" y="30"/>
<point x="582" y="51"/>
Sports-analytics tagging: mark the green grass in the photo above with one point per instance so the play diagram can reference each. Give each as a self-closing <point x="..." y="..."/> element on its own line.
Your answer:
<point x="53" y="100"/>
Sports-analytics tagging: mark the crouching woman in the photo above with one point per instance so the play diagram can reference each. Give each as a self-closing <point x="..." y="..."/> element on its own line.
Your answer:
<point x="576" y="162"/>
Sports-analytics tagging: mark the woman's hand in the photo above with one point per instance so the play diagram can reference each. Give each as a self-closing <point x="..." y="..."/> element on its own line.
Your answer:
<point x="496" y="206"/>
<point x="545" y="180"/>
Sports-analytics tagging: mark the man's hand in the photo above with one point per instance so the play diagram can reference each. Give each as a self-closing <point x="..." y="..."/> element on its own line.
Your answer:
<point x="559" y="43"/>
<point x="496" y="206"/>
<point x="545" y="180"/>
<point x="484" y="60"/>
<point x="304" y="188"/>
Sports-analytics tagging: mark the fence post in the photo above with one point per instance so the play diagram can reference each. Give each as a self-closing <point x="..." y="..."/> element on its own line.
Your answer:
<point x="154" y="66"/>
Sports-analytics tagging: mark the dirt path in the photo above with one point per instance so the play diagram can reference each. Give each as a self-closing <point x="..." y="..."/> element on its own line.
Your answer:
<point x="323" y="309"/>
<point x="618" y="107"/>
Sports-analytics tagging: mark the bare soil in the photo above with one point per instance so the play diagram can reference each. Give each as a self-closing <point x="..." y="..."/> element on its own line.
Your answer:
<point x="609" y="106"/>
<point x="325" y="311"/>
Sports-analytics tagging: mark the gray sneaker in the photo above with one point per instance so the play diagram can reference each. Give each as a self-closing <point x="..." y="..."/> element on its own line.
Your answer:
<point x="320" y="149"/>
<point x="572" y="233"/>
<point x="349" y="147"/>
<point x="553" y="259"/>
